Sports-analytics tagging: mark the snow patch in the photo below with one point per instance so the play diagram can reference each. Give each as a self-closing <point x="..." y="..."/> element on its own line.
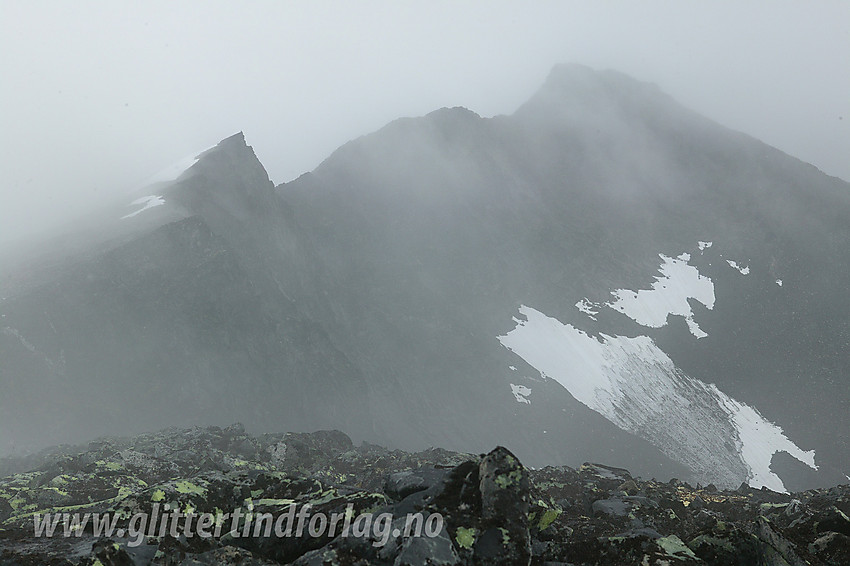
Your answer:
<point x="740" y="268"/>
<point x="779" y="282"/>
<point x="148" y="202"/>
<point x="704" y="245"/>
<point x="669" y="294"/>
<point x="521" y="393"/>
<point x="759" y="440"/>
<point x="636" y="386"/>
<point x="588" y="308"/>
<point x="512" y="368"/>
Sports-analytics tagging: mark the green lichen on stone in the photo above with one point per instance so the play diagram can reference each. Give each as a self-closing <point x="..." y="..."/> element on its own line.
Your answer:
<point x="506" y="537"/>
<point x="465" y="537"/>
<point x="274" y="502"/>
<point x="713" y="541"/>
<point x="188" y="487"/>
<point x="110" y="466"/>
<point x="509" y="479"/>
<point x="124" y="492"/>
<point x="325" y="497"/>
<point x="56" y="490"/>
<point x="59" y="481"/>
<point x="674" y="546"/>
<point x="548" y="518"/>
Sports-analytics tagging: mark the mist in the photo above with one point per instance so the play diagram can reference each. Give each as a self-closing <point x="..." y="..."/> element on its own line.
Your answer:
<point x="321" y="254"/>
<point x="98" y="97"/>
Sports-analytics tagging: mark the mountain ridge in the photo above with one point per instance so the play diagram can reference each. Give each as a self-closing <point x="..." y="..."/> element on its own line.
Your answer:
<point x="371" y="294"/>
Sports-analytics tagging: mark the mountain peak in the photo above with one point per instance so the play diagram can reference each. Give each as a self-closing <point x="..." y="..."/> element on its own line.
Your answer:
<point x="578" y="89"/>
<point x="455" y="112"/>
<point x="234" y="144"/>
<point x="237" y="140"/>
<point x="579" y="81"/>
<point x="231" y="152"/>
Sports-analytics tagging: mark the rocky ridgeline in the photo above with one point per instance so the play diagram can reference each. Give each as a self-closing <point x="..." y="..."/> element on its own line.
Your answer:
<point x="495" y="511"/>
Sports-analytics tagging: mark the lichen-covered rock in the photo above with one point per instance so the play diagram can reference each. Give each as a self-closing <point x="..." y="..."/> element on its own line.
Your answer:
<point x="401" y="484"/>
<point x="424" y="551"/>
<point x="505" y="493"/>
<point x="491" y="509"/>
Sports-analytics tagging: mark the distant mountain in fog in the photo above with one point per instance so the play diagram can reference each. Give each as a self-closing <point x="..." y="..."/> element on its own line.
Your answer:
<point x="602" y="276"/>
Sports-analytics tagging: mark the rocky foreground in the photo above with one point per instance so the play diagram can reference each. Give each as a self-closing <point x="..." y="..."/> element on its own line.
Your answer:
<point x="493" y="509"/>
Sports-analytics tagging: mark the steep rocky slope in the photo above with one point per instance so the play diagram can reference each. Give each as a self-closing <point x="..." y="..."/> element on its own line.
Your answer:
<point x="169" y="317"/>
<point x="442" y="230"/>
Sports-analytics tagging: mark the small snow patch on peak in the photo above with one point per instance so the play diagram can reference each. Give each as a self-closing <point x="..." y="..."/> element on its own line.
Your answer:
<point x="743" y="270"/>
<point x="148" y="202"/>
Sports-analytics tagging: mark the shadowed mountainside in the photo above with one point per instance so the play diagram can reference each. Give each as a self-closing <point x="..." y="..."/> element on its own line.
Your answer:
<point x="401" y="291"/>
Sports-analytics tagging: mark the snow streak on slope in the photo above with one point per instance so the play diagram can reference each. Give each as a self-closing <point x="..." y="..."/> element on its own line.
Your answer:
<point x="148" y="202"/>
<point x="173" y="171"/>
<point x="669" y="295"/>
<point x="636" y="386"/>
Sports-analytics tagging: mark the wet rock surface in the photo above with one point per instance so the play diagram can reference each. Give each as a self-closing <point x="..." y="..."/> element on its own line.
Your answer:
<point x="473" y="509"/>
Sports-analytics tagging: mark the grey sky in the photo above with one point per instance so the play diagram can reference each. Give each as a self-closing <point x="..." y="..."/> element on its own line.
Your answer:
<point x="97" y="96"/>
